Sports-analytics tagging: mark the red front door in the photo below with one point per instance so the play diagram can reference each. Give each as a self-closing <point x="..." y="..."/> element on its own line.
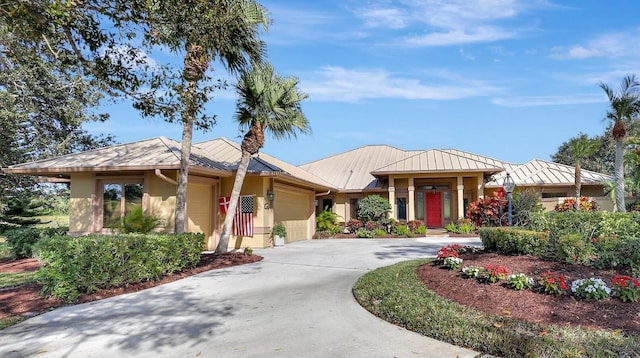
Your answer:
<point x="434" y="210"/>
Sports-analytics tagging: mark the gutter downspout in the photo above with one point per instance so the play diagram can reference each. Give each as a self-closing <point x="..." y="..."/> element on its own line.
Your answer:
<point x="164" y="177"/>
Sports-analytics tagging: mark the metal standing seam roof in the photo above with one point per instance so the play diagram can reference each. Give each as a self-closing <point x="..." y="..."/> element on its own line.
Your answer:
<point x="152" y="153"/>
<point x="351" y="170"/>
<point x="229" y="152"/>
<point x="435" y="160"/>
<point x="540" y="172"/>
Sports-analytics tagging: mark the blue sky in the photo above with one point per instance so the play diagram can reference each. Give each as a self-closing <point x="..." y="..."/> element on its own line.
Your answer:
<point x="509" y="79"/>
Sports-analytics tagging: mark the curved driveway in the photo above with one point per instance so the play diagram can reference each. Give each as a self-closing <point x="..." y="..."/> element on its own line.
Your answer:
<point x="297" y="302"/>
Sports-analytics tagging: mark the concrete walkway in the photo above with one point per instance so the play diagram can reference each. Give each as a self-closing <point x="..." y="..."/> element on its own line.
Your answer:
<point x="297" y="302"/>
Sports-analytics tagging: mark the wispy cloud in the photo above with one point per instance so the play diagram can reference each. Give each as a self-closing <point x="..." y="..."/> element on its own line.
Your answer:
<point x="448" y="22"/>
<point x="348" y="85"/>
<point x="537" y="101"/>
<point x="611" y="45"/>
<point x="459" y="37"/>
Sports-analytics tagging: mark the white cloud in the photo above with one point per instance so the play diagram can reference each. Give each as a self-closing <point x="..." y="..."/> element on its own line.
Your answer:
<point x="536" y="101"/>
<point x="385" y="17"/>
<point x="612" y="45"/>
<point x="459" y="37"/>
<point x="345" y="85"/>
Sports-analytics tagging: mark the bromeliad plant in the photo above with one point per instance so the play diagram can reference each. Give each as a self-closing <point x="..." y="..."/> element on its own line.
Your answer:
<point x="519" y="281"/>
<point x="626" y="288"/>
<point x="590" y="288"/>
<point x="553" y="284"/>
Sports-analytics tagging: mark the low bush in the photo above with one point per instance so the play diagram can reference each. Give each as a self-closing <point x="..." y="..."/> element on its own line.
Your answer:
<point x="514" y="241"/>
<point x="574" y="249"/>
<point x="76" y="265"/>
<point x="353" y="225"/>
<point x="365" y="234"/>
<point x="136" y="221"/>
<point x="401" y="230"/>
<point x="22" y="240"/>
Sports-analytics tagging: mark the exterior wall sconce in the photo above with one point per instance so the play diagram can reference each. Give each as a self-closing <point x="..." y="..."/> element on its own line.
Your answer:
<point x="433" y="189"/>
<point x="271" y="195"/>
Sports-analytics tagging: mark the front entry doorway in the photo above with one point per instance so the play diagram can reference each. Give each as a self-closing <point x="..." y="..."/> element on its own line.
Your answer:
<point x="434" y="209"/>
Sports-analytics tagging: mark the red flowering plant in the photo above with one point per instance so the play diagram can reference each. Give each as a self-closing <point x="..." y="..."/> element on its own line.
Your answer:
<point x="495" y="273"/>
<point x="490" y="210"/>
<point x="553" y="284"/>
<point x="626" y="288"/>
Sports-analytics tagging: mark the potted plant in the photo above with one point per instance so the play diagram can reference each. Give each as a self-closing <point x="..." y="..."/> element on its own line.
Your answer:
<point x="279" y="233"/>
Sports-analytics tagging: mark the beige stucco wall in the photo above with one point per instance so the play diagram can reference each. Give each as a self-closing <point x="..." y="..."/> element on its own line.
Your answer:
<point x="200" y="212"/>
<point x="162" y="200"/>
<point x="81" y="204"/>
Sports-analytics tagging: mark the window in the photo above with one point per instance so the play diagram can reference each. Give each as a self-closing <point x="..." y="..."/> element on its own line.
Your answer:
<point x="327" y="204"/>
<point x="447" y="205"/>
<point x="401" y="204"/>
<point x="420" y="205"/>
<point x="118" y="200"/>
<point x="353" y="208"/>
<point x="557" y="194"/>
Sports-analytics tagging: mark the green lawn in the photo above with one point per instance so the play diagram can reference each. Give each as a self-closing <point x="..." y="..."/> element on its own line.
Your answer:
<point x="395" y="294"/>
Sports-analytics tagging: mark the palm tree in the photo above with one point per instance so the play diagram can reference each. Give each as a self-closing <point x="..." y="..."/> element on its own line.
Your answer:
<point x="625" y="106"/>
<point x="266" y="102"/>
<point x="581" y="147"/>
<point x="205" y="30"/>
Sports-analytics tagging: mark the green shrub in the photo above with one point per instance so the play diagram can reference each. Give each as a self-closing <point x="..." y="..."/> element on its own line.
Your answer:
<point x="327" y="221"/>
<point x="365" y="234"/>
<point x="22" y="240"/>
<point x="401" y="230"/>
<point x="279" y="230"/>
<point x="584" y="223"/>
<point x="379" y="232"/>
<point x="613" y="252"/>
<point x="514" y="241"/>
<point x="574" y="249"/>
<point x="420" y="230"/>
<point x="76" y="265"/>
<point x="135" y="221"/>
<point x="373" y="208"/>
<point x="620" y="224"/>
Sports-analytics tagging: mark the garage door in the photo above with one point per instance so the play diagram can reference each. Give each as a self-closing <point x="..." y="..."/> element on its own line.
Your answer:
<point x="293" y="209"/>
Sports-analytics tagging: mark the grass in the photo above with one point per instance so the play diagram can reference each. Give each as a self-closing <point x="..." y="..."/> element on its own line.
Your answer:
<point x="16" y="279"/>
<point x="395" y="294"/>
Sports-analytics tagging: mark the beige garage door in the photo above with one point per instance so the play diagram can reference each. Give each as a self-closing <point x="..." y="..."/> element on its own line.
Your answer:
<point x="293" y="209"/>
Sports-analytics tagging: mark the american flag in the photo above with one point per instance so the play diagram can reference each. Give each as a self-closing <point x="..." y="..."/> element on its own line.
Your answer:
<point x="243" y="220"/>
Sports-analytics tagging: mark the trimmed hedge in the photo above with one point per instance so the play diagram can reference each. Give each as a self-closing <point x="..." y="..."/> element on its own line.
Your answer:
<point x="22" y="240"/>
<point x="514" y="241"/>
<point x="73" y="266"/>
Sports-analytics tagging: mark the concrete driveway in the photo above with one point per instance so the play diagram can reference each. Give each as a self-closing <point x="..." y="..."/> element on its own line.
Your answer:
<point x="297" y="302"/>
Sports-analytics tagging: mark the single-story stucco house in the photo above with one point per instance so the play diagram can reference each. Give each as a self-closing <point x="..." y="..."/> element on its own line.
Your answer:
<point x="434" y="186"/>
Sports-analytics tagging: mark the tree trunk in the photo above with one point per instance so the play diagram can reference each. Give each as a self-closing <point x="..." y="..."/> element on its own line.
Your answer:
<point x="183" y="175"/>
<point x="223" y="245"/>
<point x="619" y="175"/>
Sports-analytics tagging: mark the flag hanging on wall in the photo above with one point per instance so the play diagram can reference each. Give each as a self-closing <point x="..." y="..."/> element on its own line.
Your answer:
<point x="224" y="204"/>
<point x="243" y="220"/>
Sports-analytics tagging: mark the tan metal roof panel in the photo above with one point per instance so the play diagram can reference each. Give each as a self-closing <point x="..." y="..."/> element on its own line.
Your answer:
<point x="351" y="170"/>
<point x="157" y="152"/>
<point x="435" y="160"/>
<point x="541" y="172"/>
<point x="229" y="152"/>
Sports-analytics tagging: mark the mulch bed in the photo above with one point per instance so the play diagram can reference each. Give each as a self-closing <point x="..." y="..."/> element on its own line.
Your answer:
<point x="533" y="305"/>
<point x="25" y="300"/>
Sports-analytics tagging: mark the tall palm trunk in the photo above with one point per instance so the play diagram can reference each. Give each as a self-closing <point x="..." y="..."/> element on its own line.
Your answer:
<point x="251" y="144"/>
<point x="223" y="245"/>
<point x="196" y="63"/>
<point x="619" y="176"/>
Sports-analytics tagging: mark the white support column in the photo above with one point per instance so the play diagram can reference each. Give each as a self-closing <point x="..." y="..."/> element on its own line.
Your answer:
<point x="392" y="197"/>
<point x="460" y="197"/>
<point x="480" y="186"/>
<point x="411" y="201"/>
